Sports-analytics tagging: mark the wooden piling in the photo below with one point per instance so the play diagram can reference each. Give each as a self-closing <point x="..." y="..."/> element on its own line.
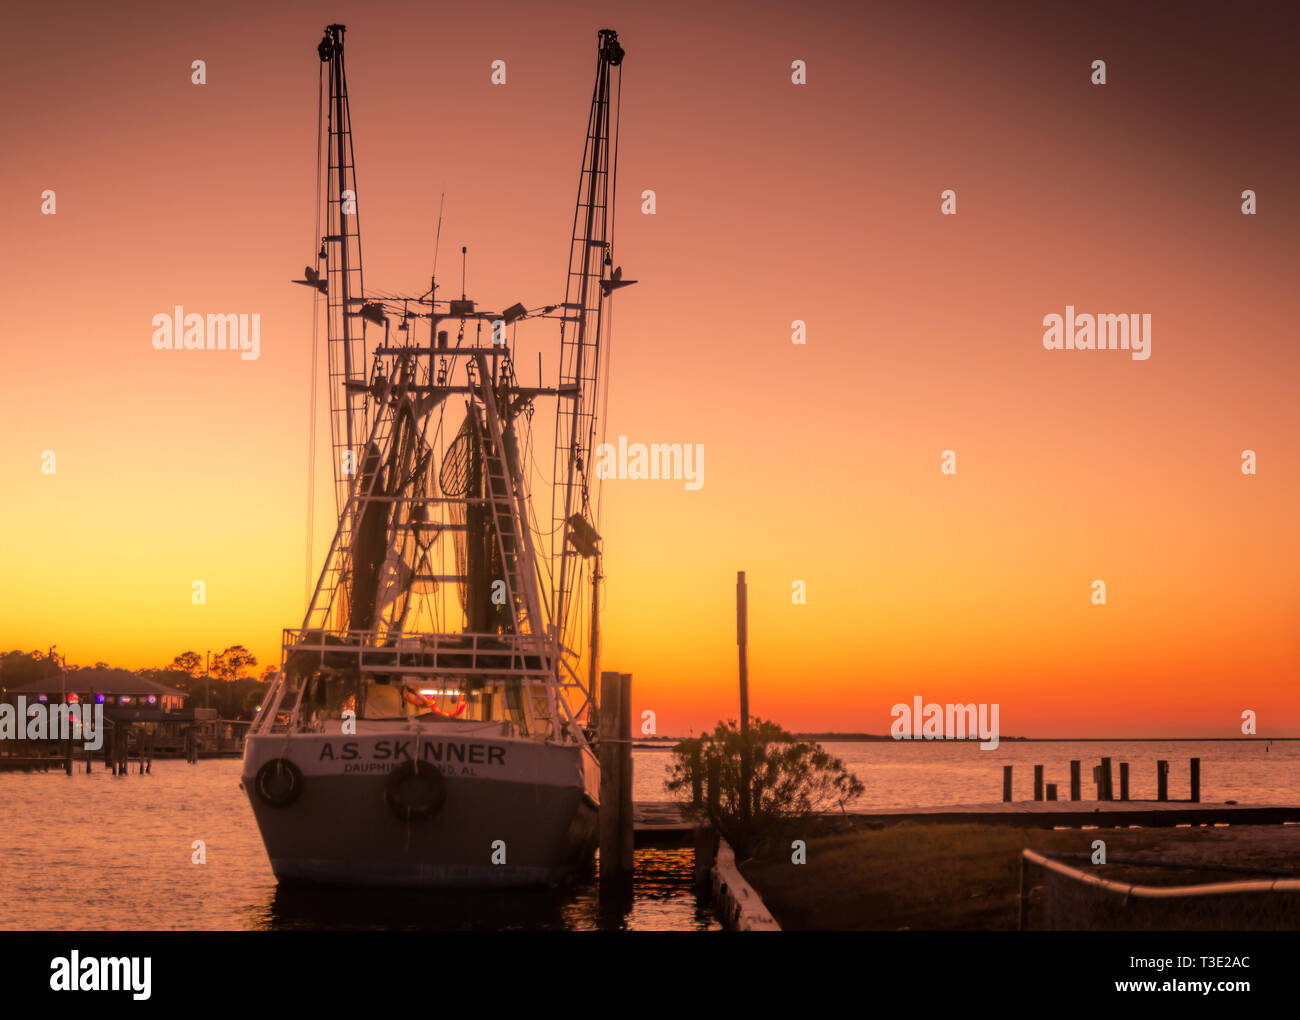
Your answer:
<point x="1006" y="784"/>
<point x="626" y="830"/>
<point x="1195" y="764"/>
<point x="1123" y="780"/>
<point x="1075" y="781"/>
<point x="1038" y="782"/>
<point x="120" y="738"/>
<point x="1051" y="791"/>
<point x="612" y="711"/>
<point x="1107" y="790"/>
<point x="1162" y="780"/>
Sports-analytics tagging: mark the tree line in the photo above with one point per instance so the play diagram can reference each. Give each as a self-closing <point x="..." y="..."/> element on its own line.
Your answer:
<point x="224" y="681"/>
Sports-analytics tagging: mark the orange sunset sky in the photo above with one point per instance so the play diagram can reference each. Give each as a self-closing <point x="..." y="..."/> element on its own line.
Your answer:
<point x="775" y="202"/>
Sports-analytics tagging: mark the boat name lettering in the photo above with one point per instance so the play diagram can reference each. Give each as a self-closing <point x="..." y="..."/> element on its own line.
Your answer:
<point x="400" y="750"/>
<point x="475" y="754"/>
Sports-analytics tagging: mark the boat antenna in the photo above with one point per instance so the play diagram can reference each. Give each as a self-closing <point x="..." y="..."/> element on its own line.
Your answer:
<point x="464" y="257"/>
<point x="438" y="236"/>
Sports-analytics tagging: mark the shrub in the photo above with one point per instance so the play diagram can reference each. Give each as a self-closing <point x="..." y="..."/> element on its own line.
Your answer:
<point x="791" y="779"/>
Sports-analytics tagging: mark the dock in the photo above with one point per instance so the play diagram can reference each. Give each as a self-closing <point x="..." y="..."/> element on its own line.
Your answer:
<point x="29" y="763"/>
<point x="672" y="824"/>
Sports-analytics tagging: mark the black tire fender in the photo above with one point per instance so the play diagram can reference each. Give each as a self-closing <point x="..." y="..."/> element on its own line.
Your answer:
<point x="415" y="791"/>
<point x="278" y="782"/>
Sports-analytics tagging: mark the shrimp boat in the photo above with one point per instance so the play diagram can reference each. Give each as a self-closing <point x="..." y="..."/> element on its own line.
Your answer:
<point x="433" y="720"/>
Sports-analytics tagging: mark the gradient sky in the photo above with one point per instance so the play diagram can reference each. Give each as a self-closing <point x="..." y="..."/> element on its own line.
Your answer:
<point x="775" y="202"/>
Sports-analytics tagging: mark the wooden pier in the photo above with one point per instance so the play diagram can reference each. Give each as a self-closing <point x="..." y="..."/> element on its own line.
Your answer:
<point x="29" y="763"/>
<point x="673" y="824"/>
<point x="1105" y="814"/>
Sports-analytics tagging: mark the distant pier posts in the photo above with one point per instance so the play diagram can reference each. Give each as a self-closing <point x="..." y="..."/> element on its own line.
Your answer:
<point x="1104" y="780"/>
<point x="616" y="835"/>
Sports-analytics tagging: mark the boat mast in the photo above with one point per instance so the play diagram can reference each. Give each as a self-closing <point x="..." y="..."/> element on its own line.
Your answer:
<point x="341" y="245"/>
<point x="585" y="292"/>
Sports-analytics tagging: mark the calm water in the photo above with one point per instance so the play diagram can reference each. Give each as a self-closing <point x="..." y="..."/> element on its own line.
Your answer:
<point x="94" y="852"/>
<point x="934" y="773"/>
<point x="98" y="852"/>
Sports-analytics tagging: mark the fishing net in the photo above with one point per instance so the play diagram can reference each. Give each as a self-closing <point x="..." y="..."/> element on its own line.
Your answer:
<point x="454" y="478"/>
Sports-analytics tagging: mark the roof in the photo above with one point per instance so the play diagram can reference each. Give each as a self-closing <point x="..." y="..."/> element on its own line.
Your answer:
<point x="104" y="681"/>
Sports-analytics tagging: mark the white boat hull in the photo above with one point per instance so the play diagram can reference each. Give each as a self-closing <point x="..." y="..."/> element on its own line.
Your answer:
<point x="517" y="812"/>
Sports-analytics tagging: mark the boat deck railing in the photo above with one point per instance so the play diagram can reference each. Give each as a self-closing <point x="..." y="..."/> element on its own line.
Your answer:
<point x="523" y="657"/>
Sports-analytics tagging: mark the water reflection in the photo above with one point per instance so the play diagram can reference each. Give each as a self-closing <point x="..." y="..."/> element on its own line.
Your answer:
<point x="661" y="897"/>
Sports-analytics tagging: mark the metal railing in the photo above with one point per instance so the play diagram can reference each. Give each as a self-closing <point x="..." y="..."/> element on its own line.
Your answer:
<point x="1127" y="893"/>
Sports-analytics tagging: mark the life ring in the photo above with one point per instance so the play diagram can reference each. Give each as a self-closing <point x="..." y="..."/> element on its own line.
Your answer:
<point x="421" y="701"/>
<point x="415" y="791"/>
<point x="278" y="782"/>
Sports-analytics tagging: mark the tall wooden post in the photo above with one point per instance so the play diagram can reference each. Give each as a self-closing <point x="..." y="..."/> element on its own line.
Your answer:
<point x="1006" y="784"/>
<point x="1107" y="791"/>
<point x="611" y="783"/>
<point x="626" y="830"/>
<point x="742" y="642"/>
<point x="1196" y="780"/>
<point x="593" y="658"/>
<point x="1076" y="783"/>
<point x="1123" y="780"/>
<point x="1162" y="780"/>
<point x="1038" y="782"/>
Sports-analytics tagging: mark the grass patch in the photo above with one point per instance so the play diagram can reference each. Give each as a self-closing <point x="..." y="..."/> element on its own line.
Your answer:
<point x="966" y="877"/>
